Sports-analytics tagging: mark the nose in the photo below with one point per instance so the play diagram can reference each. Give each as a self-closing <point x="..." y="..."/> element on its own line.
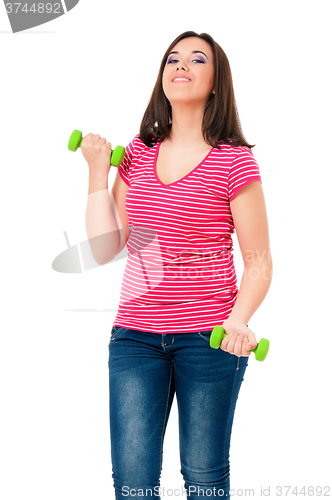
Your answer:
<point x="181" y="66"/>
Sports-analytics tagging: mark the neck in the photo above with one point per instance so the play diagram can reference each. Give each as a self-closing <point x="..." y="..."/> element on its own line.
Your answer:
<point x="187" y="126"/>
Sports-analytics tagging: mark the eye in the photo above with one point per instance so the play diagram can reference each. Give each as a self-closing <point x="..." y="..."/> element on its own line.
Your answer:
<point x="172" y="61"/>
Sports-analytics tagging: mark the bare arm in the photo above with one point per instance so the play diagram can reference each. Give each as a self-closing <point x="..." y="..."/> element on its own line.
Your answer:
<point x="101" y="226"/>
<point x="104" y="226"/>
<point x="107" y="223"/>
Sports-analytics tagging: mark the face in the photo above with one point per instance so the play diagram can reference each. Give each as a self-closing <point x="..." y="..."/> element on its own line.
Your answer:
<point x="189" y="72"/>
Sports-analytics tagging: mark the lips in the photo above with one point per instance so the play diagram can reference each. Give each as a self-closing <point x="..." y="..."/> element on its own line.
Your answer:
<point x="181" y="79"/>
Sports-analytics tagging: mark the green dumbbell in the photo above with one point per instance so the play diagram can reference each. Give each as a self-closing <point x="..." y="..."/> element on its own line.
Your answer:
<point x="218" y="334"/>
<point x="75" y="142"/>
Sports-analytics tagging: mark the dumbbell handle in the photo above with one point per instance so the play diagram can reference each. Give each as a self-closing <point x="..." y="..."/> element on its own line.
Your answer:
<point x="218" y="334"/>
<point x="75" y="142"/>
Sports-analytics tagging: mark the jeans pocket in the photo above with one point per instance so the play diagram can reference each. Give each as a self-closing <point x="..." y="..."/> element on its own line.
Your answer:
<point x="115" y="331"/>
<point x="205" y="335"/>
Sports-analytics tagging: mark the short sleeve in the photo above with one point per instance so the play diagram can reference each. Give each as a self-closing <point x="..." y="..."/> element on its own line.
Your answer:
<point x="244" y="169"/>
<point x="124" y="167"/>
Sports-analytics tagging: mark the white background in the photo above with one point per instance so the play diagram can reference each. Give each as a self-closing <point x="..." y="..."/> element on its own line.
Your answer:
<point x="94" y="69"/>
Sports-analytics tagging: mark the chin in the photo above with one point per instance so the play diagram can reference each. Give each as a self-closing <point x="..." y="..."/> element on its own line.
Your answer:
<point x="185" y="99"/>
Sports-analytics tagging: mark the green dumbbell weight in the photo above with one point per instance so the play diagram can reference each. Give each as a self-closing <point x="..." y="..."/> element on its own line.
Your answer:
<point x="218" y="334"/>
<point x="75" y="142"/>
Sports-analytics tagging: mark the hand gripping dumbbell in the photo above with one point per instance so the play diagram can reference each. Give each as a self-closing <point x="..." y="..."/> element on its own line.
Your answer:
<point x="218" y="334"/>
<point x="75" y="142"/>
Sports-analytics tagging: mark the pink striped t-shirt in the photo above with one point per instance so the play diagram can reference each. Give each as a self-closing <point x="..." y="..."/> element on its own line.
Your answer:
<point x="180" y="275"/>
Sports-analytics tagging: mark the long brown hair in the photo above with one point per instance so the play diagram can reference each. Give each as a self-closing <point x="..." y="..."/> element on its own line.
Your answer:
<point x="221" y="120"/>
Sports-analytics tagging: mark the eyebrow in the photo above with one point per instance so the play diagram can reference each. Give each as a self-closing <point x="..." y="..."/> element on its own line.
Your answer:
<point x="193" y="52"/>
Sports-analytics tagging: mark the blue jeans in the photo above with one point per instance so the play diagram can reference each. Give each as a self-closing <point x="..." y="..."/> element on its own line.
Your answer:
<point x="145" y="371"/>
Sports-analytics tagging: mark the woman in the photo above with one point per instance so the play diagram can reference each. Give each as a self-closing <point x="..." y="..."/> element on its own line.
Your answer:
<point x="188" y="180"/>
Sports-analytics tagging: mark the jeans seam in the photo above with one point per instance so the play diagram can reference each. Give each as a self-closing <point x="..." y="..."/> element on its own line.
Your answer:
<point x="163" y="431"/>
<point x="235" y="373"/>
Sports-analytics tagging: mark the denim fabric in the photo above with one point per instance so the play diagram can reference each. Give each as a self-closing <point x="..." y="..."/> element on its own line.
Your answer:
<point x="145" y="371"/>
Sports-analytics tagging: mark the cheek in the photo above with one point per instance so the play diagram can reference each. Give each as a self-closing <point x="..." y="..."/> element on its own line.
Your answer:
<point x="211" y="80"/>
<point x="164" y="81"/>
<point x="164" y="77"/>
<point x="167" y="72"/>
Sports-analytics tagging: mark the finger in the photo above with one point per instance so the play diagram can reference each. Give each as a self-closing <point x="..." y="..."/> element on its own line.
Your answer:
<point x="231" y="343"/>
<point x="95" y="138"/>
<point x="245" y="349"/>
<point x="225" y="342"/>
<point x="238" y="346"/>
<point x="252" y="343"/>
<point x="86" y="138"/>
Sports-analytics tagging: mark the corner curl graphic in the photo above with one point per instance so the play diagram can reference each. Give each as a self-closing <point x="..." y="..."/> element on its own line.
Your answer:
<point x="28" y="14"/>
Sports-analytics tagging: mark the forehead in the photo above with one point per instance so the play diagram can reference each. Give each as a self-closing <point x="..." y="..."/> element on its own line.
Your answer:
<point x="193" y="43"/>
